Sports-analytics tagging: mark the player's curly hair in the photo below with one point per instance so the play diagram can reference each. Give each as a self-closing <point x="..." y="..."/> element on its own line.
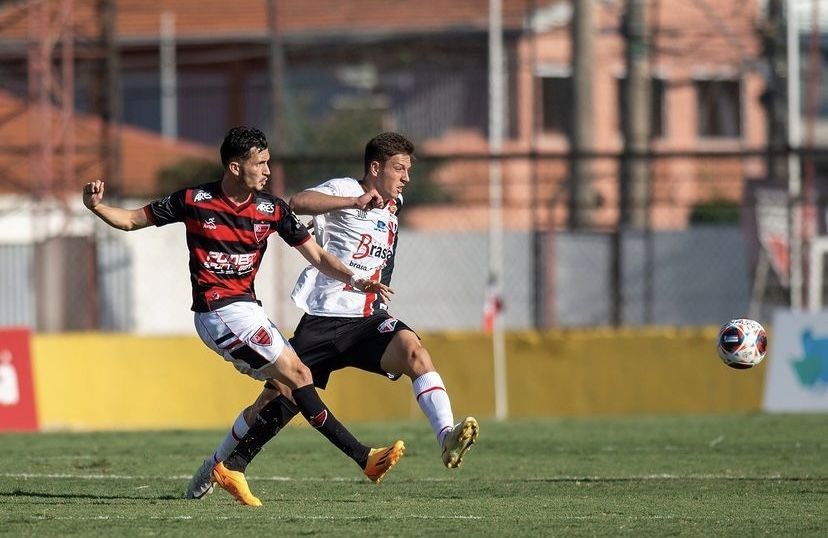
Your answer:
<point x="384" y="146"/>
<point x="239" y="141"/>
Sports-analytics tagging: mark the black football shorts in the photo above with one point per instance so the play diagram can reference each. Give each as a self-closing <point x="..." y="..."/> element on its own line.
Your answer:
<point x="327" y="344"/>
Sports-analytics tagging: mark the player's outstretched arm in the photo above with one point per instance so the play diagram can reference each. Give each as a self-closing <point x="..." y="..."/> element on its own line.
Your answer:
<point x="315" y="203"/>
<point x="330" y="265"/>
<point x="122" y="219"/>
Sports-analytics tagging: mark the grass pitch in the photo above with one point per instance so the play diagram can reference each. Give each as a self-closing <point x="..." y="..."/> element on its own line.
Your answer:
<point x="695" y="476"/>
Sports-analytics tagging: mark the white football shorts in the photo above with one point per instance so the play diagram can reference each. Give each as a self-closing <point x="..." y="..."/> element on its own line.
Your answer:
<point x="242" y="333"/>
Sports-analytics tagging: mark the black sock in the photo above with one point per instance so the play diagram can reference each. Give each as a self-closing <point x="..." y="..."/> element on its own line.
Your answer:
<point x="315" y="412"/>
<point x="275" y="415"/>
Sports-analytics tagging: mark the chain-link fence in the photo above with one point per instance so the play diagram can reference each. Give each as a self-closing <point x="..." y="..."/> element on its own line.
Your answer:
<point x="682" y="232"/>
<point x="695" y="263"/>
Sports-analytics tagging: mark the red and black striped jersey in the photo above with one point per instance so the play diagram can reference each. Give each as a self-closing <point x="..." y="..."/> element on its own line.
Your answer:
<point x="226" y="241"/>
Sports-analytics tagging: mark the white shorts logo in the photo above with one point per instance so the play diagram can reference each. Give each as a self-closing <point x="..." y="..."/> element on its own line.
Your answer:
<point x="262" y="337"/>
<point x="387" y="326"/>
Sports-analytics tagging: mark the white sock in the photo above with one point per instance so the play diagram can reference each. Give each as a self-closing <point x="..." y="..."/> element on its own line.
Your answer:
<point x="433" y="399"/>
<point x="231" y="440"/>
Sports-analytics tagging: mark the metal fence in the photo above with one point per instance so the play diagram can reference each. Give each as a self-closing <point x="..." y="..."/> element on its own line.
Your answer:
<point x="693" y="265"/>
<point x="674" y="234"/>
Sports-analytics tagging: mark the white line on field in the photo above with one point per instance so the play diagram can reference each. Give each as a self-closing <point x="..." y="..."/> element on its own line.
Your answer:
<point x="246" y="517"/>
<point x="716" y="441"/>
<point x="556" y="478"/>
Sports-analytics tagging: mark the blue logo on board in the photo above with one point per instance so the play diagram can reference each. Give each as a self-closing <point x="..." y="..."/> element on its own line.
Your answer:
<point x="812" y="367"/>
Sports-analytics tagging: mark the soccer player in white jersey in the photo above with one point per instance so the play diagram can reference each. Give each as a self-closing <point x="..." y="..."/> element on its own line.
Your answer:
<point x="356" y="221"/>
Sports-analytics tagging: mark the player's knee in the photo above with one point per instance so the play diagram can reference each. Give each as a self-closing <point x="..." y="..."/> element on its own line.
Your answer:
<point x="298" y="375"/>
<point x="289" y="371"/>
<point x="304" y="375"/>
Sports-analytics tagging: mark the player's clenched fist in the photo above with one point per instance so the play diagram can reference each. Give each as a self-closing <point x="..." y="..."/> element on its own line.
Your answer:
<point x="93" y="193"/>
<point x="370" y="200"/>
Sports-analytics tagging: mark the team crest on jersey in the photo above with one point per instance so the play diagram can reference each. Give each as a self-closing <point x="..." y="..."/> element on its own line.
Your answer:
<point x="266" y="207"/>
<point x="392" y="206"/>
<point x="387" y="326"/>
<point x="260" y="231"/>
<point x="261" y="337"/>
<point x="200" y="196"/>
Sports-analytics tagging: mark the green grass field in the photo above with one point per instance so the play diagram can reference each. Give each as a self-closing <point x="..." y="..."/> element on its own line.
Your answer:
<point x="701" y="476"/>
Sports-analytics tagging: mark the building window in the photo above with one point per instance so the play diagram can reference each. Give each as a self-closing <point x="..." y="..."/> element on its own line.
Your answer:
<point x="141" y="100"/>
<point x="657" y="106"/>
<point x="719" y="108"/>
<point x="556" y="104"/>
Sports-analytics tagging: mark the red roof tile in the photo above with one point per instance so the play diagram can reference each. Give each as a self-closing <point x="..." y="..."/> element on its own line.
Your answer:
<point x="143" y="153"/>
<point x="212" y="18"/>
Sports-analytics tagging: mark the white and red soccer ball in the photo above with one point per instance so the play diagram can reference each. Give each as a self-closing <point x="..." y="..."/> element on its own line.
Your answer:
<point x="742" y="343"/>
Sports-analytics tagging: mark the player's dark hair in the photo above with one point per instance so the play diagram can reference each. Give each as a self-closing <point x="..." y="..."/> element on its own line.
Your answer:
<point x="239" y="141"/>
<point x="384" y="146"/>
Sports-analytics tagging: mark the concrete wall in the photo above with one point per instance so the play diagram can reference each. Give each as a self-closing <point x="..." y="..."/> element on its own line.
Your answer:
<point x="697" y="276"/>
<point x="93" y="381"/>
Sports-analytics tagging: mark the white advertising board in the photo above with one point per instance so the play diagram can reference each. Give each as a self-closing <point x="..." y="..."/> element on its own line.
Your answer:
<point x="797" y="377"/>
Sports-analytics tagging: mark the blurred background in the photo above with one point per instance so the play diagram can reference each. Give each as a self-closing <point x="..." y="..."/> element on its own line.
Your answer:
<point x="580" y="163"/>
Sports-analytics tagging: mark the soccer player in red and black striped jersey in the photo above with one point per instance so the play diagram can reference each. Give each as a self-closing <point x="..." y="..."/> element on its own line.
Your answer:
<point x="356" y="221"/>
<point x="227" y="225"/>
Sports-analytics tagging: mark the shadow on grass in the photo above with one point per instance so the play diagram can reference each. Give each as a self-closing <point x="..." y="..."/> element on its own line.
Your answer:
<point x="42" y="495"/>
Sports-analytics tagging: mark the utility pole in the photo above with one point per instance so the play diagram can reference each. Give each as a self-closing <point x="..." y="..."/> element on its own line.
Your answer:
<point x="794" y="132"/>
<point x="169" y="84"/>
<point x="581" y="194"/>
<point x="634" y="173"/>
<point x="278" y="129"/>
<point x="540" y="317"/>
<point x="110" y="98"/>
<point x="773" y="98"/>
<point x="635" y="181"/>
<point x="276" y="75"/>
<point x="497" y="131"/>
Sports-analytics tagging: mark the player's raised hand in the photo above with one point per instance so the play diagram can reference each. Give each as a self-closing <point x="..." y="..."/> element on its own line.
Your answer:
<point x="369" y="286"/>
<point x="93" y="193"/>
<point x="370" y="200"/>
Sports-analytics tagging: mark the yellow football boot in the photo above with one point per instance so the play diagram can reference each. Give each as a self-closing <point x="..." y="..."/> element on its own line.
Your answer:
<point x="458" y="441"/>
<point x="235" y="484"/>
<point x="380" y="460"/>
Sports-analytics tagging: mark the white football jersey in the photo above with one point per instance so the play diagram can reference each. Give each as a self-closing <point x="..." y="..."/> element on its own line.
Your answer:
<point x="365" y="241"/>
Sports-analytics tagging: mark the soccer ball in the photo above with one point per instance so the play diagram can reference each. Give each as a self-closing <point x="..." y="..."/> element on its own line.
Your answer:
<point x="742" y="343"/>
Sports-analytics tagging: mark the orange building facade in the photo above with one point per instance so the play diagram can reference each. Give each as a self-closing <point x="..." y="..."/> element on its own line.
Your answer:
<point x="423" y="70"/>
